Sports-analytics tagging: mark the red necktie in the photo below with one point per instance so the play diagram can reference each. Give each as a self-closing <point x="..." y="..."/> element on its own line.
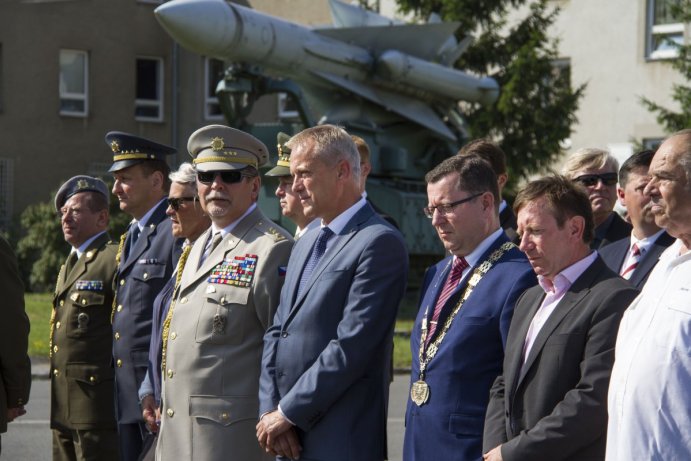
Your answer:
<point x="632" y="263"/>
<point x="449" y="286"/>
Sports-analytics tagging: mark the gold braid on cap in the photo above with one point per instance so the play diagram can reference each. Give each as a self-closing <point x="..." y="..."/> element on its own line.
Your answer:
<point x="169" y="316"/>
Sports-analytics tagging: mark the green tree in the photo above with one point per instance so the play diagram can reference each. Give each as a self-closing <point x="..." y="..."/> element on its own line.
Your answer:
<point x="536" y="106"/>
<point x="673" y="121"/>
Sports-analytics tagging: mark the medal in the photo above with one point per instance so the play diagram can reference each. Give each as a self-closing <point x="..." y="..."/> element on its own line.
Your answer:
<point x="419" y="392"/>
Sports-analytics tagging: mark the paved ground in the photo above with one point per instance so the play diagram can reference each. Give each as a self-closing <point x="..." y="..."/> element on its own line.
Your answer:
<point x="28" y="438"/>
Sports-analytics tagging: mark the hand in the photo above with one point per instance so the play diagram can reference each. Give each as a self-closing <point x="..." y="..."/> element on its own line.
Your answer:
<point x="15" y="412"/>
<point x="493" y="455"/>
<point x="150" y="413"/>
<point x="270" y="427"/>
<point x="287" y="444"/>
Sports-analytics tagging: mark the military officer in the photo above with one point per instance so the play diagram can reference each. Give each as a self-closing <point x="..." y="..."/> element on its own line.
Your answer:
<point x="147" y="254"/>
<point x="291" y="207"/>
<point x="82" y="411"/>
<point x="227" y="297"/>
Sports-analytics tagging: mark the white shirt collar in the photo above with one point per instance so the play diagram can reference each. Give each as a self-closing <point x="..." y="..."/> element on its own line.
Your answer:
<point x="141" y="223"/>
<point x="82" y="248"/>
<point x="339" y="222"/>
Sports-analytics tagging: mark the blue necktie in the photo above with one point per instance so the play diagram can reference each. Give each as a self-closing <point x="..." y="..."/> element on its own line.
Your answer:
<point x="317" y="252"/>
<point x="134" y="235"/>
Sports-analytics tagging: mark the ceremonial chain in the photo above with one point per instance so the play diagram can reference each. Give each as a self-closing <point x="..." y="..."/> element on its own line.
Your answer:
<point x="169" y="316"/>
<point x="419" y="392"/>
<point x="117" y="266"/>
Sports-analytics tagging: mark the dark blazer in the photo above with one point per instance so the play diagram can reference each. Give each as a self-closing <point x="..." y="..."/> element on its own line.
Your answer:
<point x="614" y="254"/>
<point x="327" y="356"/>
<point x="449" y="426"/>
<point x="82" y="394"/>
<point x="555" y="406"/>
<point x="612" y="229"/>
<point x="15" y="367"/>
<point x="507" y="221"/>
<point x="140" y="277"/>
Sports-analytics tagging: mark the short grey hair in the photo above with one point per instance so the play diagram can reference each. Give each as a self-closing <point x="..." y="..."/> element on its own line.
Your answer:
<point x="185" y="174"/>
<point x="331" y="144"/>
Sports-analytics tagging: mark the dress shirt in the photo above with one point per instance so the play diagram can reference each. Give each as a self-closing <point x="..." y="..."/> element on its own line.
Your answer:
<point x="229" y="228"/>
<point x="141" y="223"/>
<point x="554" y="292"/>
<point x="649" y="399"/>
<point x="82" y="248"/>
<point x="312" y="225"/>
<point x="643" y="244"/>
<point x="339" y="222"/>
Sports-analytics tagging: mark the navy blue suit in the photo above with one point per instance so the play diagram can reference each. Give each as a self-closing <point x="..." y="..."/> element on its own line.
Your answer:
<point x="614" y="254"/>
<point x="449" y="425"/>
<point x="327" y="356"/>
<point x="140" y="277"/>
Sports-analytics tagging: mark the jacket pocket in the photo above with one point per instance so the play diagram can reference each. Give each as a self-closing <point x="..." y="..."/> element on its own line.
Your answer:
<point x="90" y="394"/>
<point x="466" y="425"/>
<point x="223" y="315"/>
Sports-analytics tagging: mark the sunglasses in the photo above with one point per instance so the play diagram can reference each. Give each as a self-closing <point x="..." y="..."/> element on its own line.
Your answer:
<point x="589" y="180"/>
<point x="175" y="202"/>
<point x="228" y="177"/>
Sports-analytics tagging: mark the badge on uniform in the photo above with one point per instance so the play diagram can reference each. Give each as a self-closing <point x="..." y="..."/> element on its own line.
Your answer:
<point x="89" y="285"/>
<point x="235" y="270"/>
<point x="148" y="261"/>
<point x="281" y="271"/>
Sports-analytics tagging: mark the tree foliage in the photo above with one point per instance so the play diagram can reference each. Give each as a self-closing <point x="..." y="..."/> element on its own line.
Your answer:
<point x="537" y="105"/>
<point x="673" y="121"/>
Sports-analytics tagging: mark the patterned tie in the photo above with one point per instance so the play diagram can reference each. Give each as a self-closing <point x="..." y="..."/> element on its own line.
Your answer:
<point x="317" y="252"/>
<point x="632" y="262"/>
<point x="211" y="247"/>
<point x="449" y="286"/>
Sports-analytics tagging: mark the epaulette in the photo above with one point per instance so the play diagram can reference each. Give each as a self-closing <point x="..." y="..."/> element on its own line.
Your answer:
<point x="268" y="228"/>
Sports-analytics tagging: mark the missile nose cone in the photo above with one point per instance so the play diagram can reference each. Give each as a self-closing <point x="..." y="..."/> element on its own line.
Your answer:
<point x="206" y="27"/>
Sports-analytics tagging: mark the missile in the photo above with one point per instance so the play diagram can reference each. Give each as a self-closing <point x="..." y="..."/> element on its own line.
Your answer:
<point x="395" y="66"/>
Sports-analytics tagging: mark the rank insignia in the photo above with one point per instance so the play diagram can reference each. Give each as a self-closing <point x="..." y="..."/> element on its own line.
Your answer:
<point x="219" y="326"/>
<point x="89" y="285"/>
<point x="237" y="270"/>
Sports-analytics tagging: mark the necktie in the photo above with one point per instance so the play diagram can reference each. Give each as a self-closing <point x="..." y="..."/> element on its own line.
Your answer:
<point x="210" y="247"/>
<point x="317" y="252"/>
<point x="134" y="235"/>
<point x="449" y="286"/>
<point x="70" y="262"/>
<point x="632" y="262"/>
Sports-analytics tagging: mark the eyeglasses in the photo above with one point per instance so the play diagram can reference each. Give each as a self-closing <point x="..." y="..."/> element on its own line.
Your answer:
<point x="228" y="177"/>
<point x="175" y="202"/>
<point x="589" y="180"/>
<point x="447" y="209"/>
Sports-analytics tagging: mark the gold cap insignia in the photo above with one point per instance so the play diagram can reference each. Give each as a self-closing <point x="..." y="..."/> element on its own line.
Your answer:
<point x="217" y="143"/>
<point x="115" y="146"/>
<point x="82" y="184"/>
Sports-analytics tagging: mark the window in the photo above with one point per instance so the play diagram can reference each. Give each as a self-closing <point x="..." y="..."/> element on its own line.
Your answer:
<point x="74" y="83"/>
<point x="149" y="102"/>
<point x="664" y="32"/>
<point x="6" y="189"/>
<point x="286" y="107"/>
<point x="214" y="70"/>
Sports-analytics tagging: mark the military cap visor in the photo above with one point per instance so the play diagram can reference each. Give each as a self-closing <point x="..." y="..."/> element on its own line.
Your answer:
<point x="79" y="184"/>
<point x="129" y="150"/>
<point x="221" y="148"/>
<point x="282" y="167"/>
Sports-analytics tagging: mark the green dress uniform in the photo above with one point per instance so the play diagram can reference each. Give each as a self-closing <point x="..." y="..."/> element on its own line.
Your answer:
<point x="15" y="367"/>
<point x="82" y="395"/>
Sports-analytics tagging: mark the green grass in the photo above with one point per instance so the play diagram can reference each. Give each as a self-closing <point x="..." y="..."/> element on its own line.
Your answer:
<point x="38" y="308"/>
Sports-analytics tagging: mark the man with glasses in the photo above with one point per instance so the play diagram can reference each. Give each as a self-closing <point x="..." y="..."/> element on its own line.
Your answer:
<point x="147" y="254"/>
<point x="596" y="171"/>
<point x="458" y="338"/>
<point x="227" y="295"/>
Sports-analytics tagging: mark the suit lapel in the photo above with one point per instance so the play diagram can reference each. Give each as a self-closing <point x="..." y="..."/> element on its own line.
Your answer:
<point x="514" y="351"/>
<point x="82" y="263"/>
<point x="650" y="258"/>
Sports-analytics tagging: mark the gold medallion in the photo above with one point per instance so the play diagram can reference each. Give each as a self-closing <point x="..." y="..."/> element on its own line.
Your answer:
<point x="419" y="392"/>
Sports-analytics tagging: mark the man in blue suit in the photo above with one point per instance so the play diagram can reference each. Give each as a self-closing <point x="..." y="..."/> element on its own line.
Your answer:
<point x="325" y="370"/>
<point x="146" y="255"/>
<point x="635" y="256"/>
<point x="466" y="307"/>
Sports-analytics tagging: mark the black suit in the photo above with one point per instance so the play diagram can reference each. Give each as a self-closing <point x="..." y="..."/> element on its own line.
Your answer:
<point x="612" y="229"/>
<point x="555" y="406"/>
<point x="507" y="221"/>
<point x="614" y="255"/>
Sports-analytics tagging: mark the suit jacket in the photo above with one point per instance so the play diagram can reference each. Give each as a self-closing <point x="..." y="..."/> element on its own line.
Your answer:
<point x="82" y="394"/>
<point x="15" y="367"/>
<point x="449" y="426"/>
<point x="214" y="350"/>
<point x="140" y="277"/>
<point x="614" y="254"/>
<point x="327" y="356"/>
<point x="612" y="229"/>
<point x="555" y="406"/>
<point x="507" y="221"/>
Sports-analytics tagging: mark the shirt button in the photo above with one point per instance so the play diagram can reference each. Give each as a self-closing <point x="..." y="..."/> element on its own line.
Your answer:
<point x="118" y="363"/>
<point x="170" y="412"/>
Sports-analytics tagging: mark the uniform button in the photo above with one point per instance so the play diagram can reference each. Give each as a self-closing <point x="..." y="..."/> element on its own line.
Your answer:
<point x="117" y="335"/>
<point x="55" y="348"/>
<point x="170" y="412"/>
<point x="119" y="307"/>
<point x="83" y="301"/>
<point x="170" y="374"/>
<point x="183" y="300"/>
<point x="56" y="372"/>
<point x="92" y="379"/>
<point x="284" y="334"/>
<point x="224" y="416"/>
<point x="62" y="302"/>
<point x="122" y="282"/>
<point x="57" y="325"/>
<point x="119" y="363"/>
<point x="145" y="276"/>
<point x="173" y="335"/>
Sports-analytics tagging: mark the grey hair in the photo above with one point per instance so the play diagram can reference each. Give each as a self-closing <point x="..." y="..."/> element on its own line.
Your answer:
<point x="185" y="174"/>
<point x="331" y="144"/>
<point x="589" y="158"/>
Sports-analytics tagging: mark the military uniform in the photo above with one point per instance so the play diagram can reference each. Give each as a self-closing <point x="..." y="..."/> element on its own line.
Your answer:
<point x="213" y="346"/>
<point x="82" y="395"/>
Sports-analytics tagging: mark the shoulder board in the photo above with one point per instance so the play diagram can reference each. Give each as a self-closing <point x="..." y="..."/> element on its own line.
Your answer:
<point x="269" y="228"/>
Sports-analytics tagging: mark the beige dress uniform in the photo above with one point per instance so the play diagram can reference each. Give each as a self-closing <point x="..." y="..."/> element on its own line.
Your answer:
<point x="214" y="349"/>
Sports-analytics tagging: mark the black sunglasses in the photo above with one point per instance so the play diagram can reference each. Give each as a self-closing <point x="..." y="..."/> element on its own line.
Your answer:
<point x="589" y="180"/>
<point x="175" y="202"/>
<point x="228" y="177"/>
